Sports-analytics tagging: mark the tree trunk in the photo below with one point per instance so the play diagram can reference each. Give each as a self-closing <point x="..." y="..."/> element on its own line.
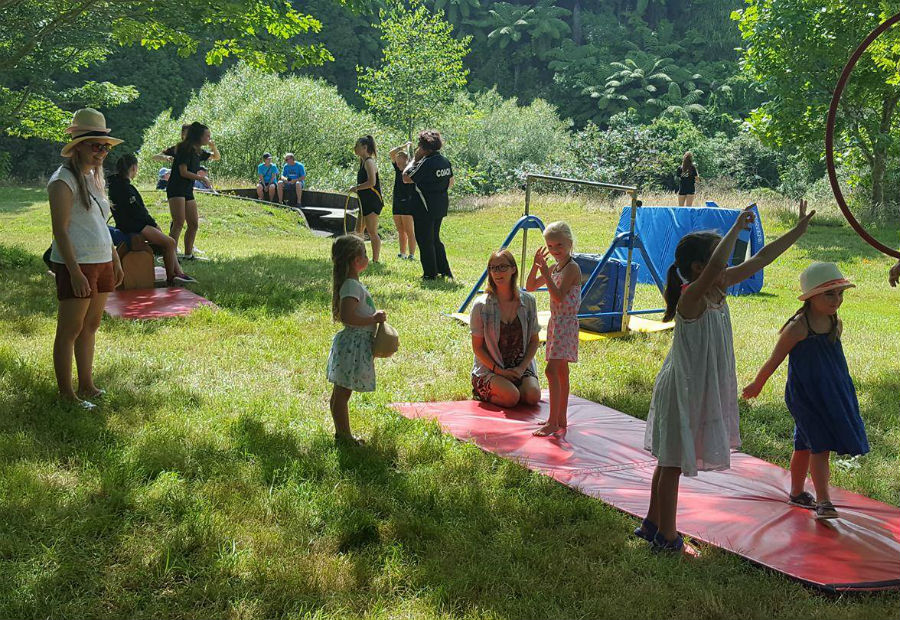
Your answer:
<point x="576" y="23"/>
<point x="880" y="149"/>
<point x="878" y="168"/>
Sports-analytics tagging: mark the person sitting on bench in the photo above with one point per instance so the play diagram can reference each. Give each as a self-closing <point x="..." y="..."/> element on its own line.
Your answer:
<point x="293" y="174"/>
<point x="268" y="177"/>
<point x="163" y="178"/>
<point x="204" y="185"/>
<point x="132" y="218"/>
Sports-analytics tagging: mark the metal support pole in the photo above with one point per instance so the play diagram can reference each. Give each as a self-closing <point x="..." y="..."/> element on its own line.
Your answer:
<point x="525" y="233"/>
<point x="625" y="304"/>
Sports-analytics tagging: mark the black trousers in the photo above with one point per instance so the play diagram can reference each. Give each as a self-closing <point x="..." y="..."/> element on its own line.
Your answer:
<point x="432" y="253"/>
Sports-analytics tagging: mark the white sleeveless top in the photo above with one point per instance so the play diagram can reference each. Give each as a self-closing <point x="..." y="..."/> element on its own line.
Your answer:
<point x="693" y="419"/>
<point x="87" y="223"/>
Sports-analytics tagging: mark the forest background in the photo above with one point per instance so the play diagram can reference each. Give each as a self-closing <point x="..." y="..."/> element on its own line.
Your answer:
<point x="614" y="90"/>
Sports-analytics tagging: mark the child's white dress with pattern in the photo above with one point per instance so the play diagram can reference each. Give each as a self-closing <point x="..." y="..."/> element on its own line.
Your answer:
<point x="693" y="421"/>
<point x="562" y="329"/>
<point x="351" y="363"/>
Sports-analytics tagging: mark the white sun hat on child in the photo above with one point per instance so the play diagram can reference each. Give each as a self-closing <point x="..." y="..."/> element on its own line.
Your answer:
<point x="821" y="277"/>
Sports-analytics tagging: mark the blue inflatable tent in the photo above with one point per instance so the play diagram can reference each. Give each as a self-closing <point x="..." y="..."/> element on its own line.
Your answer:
<point x="660" y="229"/>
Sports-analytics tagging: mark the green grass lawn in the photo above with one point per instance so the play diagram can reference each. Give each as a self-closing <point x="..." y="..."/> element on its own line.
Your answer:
<point x="208" y="485"/>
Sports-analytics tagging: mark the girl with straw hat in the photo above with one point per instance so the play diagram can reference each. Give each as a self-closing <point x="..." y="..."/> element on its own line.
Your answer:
<point x="820" y="393"/>
<point x="82" y="254"/>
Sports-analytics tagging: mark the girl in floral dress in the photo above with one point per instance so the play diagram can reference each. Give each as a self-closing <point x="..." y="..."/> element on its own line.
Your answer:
<point x="563" y="282"/>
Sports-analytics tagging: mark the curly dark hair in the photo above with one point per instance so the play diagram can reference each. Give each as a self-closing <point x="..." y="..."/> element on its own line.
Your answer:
<point x="431" y="140"/>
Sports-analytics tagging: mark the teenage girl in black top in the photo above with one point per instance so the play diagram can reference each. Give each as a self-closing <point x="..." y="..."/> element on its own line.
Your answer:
<point x="687" y="177"/>
<point x="368" y="189"/>
<point x="132" y="217"/>
<point x="180" y="190"/>
<point x="403" y="217"/>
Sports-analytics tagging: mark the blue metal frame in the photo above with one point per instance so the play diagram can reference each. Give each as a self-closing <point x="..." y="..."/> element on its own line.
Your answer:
<point x="525" y="222"/>
<point x="622" y="240"/>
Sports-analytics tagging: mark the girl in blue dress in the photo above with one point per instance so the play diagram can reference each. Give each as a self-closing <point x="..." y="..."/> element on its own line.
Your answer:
<point x="819" y="394"/>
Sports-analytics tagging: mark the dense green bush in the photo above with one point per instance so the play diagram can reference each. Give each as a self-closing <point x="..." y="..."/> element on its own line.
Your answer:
<point x="250" y="112"/>
<point x="492" y="142"/>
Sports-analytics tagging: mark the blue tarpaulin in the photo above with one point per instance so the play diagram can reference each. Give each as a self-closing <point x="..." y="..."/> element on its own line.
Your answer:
<point x="661" y="228"/>
<point x="606" y="294"/>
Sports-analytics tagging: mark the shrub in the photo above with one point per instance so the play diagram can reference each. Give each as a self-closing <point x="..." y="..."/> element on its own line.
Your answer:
<point x="494" y="140"/>
<point x="250" y="112"/>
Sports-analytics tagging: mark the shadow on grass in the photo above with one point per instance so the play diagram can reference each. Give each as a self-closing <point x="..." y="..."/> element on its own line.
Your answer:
<point x="17" y="199"/>
<point x="27" y="289"/>
<point x="841" y="244"/>
<point x="78" y="483"/>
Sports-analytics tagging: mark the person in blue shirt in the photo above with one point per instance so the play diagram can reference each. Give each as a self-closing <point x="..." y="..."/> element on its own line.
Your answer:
<point x="293" y="174"/>
<point x="203" y="184"/>
<point x="268" y="177"/>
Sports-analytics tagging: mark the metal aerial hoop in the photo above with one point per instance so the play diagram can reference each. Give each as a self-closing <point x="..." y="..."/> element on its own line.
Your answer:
<point x="829" y="137"/>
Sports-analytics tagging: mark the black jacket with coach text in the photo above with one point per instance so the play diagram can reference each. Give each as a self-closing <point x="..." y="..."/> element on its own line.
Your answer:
<point x="431" y="176"/>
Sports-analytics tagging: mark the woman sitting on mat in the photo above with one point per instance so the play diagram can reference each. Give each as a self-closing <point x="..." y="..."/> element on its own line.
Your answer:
<point x="505" y="329"/>
<point x="368" y="189"/>
<point x="132" y="217"/>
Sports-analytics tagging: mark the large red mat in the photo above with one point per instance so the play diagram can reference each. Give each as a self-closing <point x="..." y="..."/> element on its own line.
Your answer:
<point x="742" y="510"/>
<point x="153" y="303"/>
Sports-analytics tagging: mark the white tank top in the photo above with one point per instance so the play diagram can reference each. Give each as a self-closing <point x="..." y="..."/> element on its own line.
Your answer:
<point x="87" y="223"/>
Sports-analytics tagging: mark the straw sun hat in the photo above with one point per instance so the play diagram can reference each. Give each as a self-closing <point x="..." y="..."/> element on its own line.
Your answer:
<point x="821" y="277"/>
<point x="87" y="124"/>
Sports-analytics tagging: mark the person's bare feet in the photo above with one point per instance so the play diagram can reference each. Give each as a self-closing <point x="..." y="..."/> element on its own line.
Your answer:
<point x="548" y="429"/>
<point x="92" y="392"/>
<point x="346" y="439"/>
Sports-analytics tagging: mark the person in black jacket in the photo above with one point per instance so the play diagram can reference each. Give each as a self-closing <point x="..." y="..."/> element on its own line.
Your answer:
<point x="132" y="217"/>
<point x="432" y="175"/>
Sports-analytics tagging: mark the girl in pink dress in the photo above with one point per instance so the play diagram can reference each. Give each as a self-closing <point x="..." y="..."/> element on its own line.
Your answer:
<point x="563" y="282"/>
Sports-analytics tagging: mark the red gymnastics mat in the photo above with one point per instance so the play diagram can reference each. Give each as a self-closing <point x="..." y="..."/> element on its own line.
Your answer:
<point x="743" y="510"/>
<point x="153" y="303"/>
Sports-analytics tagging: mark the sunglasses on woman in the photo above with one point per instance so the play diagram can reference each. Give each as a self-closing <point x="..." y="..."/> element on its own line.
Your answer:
<point x="98" y="147"/>
<point x="500" y="268"/>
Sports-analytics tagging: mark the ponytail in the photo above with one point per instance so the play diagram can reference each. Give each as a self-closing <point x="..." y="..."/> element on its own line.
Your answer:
<point x="344" y="249"/>
<point x="124" y="164"/>
<point x="695" y="247"/>
<point x="369" y="142"/>
<point x="672" y="293"/>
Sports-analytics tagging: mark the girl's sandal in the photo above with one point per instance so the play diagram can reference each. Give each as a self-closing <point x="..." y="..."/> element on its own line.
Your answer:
<point x="802" y="500"/>
<point x="661" y="545"/>
<point x="647" y="530"/>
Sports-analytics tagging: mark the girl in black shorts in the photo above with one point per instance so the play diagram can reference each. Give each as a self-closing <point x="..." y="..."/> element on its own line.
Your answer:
<point x="180" y="190"/>
<point x="403" y="217"/>
<point x="368" y="189"/>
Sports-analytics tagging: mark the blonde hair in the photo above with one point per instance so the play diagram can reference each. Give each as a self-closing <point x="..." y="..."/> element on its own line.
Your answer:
<point x="491" y="288"/>
<point x="343" y="251"/>
<point x="75" y="164"/>
<point x="559" y="229"/>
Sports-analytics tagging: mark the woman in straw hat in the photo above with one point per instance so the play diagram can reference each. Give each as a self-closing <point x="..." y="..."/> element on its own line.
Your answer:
<point x="84" y="259"/>
<point x="820" y="394"/>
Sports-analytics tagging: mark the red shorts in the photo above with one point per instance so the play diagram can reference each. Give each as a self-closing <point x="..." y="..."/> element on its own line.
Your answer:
<point x="100" y="277"/>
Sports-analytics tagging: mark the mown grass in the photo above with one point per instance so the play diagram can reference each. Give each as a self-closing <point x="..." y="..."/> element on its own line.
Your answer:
<point x="208" y="485"/>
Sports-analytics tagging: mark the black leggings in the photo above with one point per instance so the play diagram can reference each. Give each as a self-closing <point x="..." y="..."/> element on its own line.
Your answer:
<point x="431" y="249"/>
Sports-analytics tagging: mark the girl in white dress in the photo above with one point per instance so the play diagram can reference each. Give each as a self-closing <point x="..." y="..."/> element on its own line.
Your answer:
<point x="693" y="420"/>
<point x="351" y="363"/>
